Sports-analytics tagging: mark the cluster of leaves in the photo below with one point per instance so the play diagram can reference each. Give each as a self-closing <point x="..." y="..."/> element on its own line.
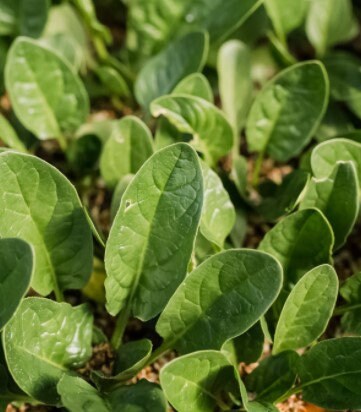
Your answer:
<point x="176" y="166"/>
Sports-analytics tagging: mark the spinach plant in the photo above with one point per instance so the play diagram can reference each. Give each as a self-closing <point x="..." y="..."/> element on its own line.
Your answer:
<point x="179" y="205"/>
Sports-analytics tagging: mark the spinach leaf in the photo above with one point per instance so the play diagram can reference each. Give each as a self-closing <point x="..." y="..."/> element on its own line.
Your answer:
<point x="195" y="84"/>
<point x="9" y="137"/>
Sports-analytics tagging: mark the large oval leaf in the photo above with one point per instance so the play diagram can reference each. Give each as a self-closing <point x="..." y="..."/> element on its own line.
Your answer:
<point x="288" y="111"/>
<point x="180" y="58"/>
<point x="43" y="341"/>
<point x="337" y="196"/>
<point x="16" y="263"/>
<point x="44" y="210"/>
<point x="307" y="310"/>
<point x="127" y="148"/>
<point x="197" y="382"/>
<point x="300" y="242"/>
<point x="47" y="96"/>
<point x="220" y="299"/>
<point x="330" y="374"/>
<point x="151" y="240"/>
<point x="212" y="134"/>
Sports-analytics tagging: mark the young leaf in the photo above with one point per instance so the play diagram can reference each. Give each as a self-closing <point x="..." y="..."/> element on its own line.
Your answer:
<point x="151" y="240"/>
<point x="351" y="289"/>
<point x="288" y="111"/>
<point x="330" y="374"/>
<point x="300" y="242"/>
<point x="254" y="406"/>
<point x="16" y="263"/>
<point x="127" y="148"/>
<point x="198" y="382"/>
<point x="221" y="299"/>
<point x="180" y="58"/>
<point x="195" y="84"/>
<point x="43" y="341"/>
<point x="337" y="196"/>
<point x="330" y="22"/>
<point x="212" y="134"/>
<point x="235" y="83"/>
<point x="218" y="214"/>
<point x="44" y="210"/>
<point x="273" y="377"/>
<point x="77" y="395"/>
<point x="9" y="136"/>
<point x="118" y="194"/>
<point x="307" y="310"/>
<point x="47" y="97"/>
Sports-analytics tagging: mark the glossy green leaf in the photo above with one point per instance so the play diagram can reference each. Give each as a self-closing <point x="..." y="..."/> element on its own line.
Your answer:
<point x="44" y="341"/>
<point x="330" y="22"/>
<point x="127" y="148"/>
<point x="196" y="84"/>
<point x="273" y="377"/>
<point x="235" y="83"/>
<point x="77" y="395"/>
<point x="44" y="210"/>
<point x="9" y="137"/>
<point x="221" y="299"/>
<point x="16" y="263"/>
<point x="47" y="96"/>
<point x="218" y="214"/>
<point x="151" y="240"/>
<point x="307" y="310"/>
<point x="198" y="382"/>
<point x="288" y="111"/>
<point x="300" y="242"/>
<point x="212" y="134"/>
<point x="337" y="196"/>
<point x="161" y="74"/>
<point x="330" y="374"/>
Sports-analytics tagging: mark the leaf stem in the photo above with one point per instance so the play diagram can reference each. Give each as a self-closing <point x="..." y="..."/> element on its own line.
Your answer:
<point x="292" y="391"/>
<point x="162" y="350"/>
<point x="120" y="326"/>
<point x="62" y="142"/>
<point x="345" y="308"/>
<point x="257" y="169"/>
<point x="59" y="296"/>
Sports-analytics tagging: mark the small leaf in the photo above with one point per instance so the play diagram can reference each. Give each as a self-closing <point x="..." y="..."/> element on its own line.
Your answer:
<point x="180" y="58"/>
<point x="16" y="263"/>
<point x="337" y="196"/>
<point x="195" y="84"/>
<point x="127" y="148"/>
<point x="46" y="212"/>
<point x="218" y="214"/>
<point x="151" y="240"/>
<point x="212" y="134"/>
<point x="47" y="97"/>
<point x="351" y="289"/>
<point x="9" y="136"/>
<point x="221" y="299"/>
<point x="198" y="382"/>
<point x="113" y="81"/>
<point x="307" y="310"/>
<point x="118" y="194"/>
<point x="273" y="377"/>
<point x="288" y="111"/>
<point x="254" y="406"/>
<point x="43" y="341"/>
<point x="300" y="242"/>
<point x="330" y="374"/>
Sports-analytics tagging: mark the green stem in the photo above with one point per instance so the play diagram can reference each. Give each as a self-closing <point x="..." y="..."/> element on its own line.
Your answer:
<point x="162" y="350"/>
<point x="62" y="142"/>
<point x="100" y="48"/>
<point x="120" y="326"/>
<point x="292" y="391"/>
<point x="346" y="308"/>
<point x="59" y="296"/>
<point x="257" y="169"/>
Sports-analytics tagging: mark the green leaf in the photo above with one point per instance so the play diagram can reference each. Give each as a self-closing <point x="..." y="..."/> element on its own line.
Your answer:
<point x="127" y="148"/>
<point x="235" y="83"/>
<point x="327" y="154"/>
<point x="130" y="359"/>
<point x="78" y="396"/>
<point x="118" y="194"/>
<point x="161" y="74"/>
<point x="198" y="382"/>
<point x="288" y="111"/>
<point x="336" y="121"/>
<point x="330" y="22"/>
<point x="351" y="289"/>
<point x="196" y="84"/>
<point x="16" y="262"/>
<point x="9" y="136"/>
<point x="151" y="240"/>
<point x="307" y="310"/>
<point x="45" y="211"/>
<point x="330" y="374"/>
<point x="221" y="299"/>
<point x="337" y="196"/>
<point x="218" y="214"/>
<point x="254" y="406"/>
<point x="47" y="96"/>
<point x="43" y="341"/>
<point x="83" y="153"/>
<point x="273" y="377"/>
<point x="212" y="134"/>
<point x="300" y="242"/>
